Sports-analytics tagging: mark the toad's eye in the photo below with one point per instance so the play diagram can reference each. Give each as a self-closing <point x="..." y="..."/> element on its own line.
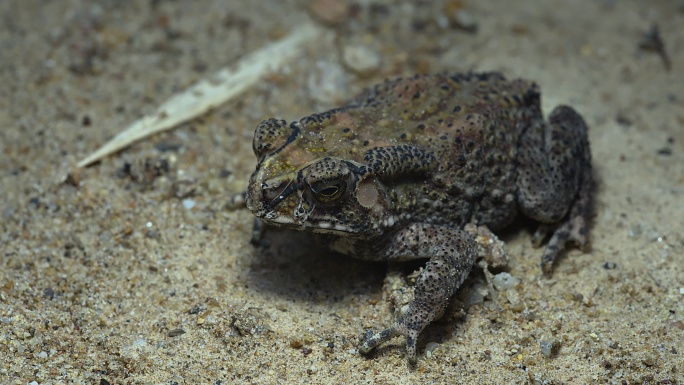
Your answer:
<point x="328" y="192"/>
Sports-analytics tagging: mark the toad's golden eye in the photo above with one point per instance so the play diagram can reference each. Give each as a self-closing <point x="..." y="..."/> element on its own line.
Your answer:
<point x="328" y="192"/>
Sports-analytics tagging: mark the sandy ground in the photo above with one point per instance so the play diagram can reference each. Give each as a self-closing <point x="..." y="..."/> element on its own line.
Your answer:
<point x="129" y="272"/>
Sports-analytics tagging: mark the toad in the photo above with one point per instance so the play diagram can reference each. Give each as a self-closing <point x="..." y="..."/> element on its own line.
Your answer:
<point x="403" y="170"/>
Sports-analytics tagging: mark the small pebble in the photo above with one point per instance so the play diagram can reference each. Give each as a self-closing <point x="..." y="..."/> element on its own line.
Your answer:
<point x="529" y="315"/>
<point x="465" y="20"/>
<point x="296" y="343"/>
<point x="189" y="204"/>
<point x="429" y="348"/>
<point x="332" y="12"/>
<point x="649" y="361"/>
<point x="361" y="59"/>
<point x="504" y="281"/>
<point x="238" y="199"/>
<point x="549" y="348"/>
<point x="514" y="299"/>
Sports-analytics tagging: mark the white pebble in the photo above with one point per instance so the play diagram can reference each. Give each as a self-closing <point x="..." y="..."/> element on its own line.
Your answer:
<point x="429" y="348"/>
<point x="549" y="348"/>
<point x="466" y="21"/>
<point x="504" y="281"/>
<point x="361" y="59"/>
<point x="189" y="203"/>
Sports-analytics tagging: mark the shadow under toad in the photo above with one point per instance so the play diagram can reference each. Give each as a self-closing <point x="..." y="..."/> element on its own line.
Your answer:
<point x="294" y="265"/>
<point x="294" y="268"/>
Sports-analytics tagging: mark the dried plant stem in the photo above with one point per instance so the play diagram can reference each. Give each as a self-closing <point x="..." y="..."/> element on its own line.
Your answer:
<point x="210" y="92"/>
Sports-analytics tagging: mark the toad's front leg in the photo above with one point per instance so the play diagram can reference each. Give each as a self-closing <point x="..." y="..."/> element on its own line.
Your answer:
<point x="452" y="254"/>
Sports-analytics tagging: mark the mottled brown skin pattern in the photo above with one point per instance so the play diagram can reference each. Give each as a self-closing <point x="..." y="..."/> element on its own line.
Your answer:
<point x="399" y="172"/>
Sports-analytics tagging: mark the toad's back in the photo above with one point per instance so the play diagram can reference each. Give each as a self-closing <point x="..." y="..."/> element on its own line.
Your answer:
<point x="469" y="124"/>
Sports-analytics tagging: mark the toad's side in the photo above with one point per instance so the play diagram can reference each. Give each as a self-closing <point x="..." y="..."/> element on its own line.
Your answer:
<point x="399" y="172"/>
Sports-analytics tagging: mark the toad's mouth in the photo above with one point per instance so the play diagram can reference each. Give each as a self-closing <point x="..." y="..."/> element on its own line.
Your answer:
<point x="313" y="225"/>
<point x="285" y="206"/>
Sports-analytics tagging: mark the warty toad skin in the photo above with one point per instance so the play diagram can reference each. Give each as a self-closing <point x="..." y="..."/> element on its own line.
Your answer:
<point x="399" y="172"/>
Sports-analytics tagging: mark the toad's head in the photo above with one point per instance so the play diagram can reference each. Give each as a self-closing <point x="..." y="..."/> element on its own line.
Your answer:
<point x="300" y="184"/>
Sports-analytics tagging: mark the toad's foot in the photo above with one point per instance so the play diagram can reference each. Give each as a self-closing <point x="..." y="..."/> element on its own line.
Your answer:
<point x="400" y="327"/>
<point x="576" y="227"/>
<point x="452" y="254"/>
<point x="555" y="182"/>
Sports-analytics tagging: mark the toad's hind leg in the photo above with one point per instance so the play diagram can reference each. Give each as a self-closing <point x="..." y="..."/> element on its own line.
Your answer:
<point x="452" y="254"/>
<point x="555" y="182"/>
